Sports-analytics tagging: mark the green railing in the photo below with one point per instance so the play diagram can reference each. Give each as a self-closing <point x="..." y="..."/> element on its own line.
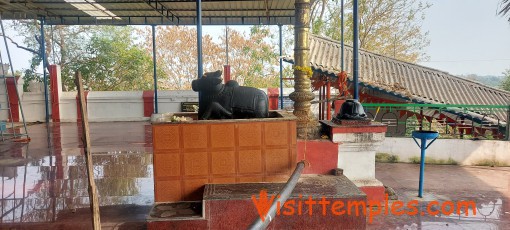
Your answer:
<point x="450" y="120"/>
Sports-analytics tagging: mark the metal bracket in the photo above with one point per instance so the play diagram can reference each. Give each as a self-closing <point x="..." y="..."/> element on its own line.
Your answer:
<point x="157" y="6"/>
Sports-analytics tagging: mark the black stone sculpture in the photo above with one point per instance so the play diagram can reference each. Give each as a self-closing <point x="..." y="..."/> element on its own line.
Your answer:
<point x="352" y="110"/>
<point x="228" y="101"/>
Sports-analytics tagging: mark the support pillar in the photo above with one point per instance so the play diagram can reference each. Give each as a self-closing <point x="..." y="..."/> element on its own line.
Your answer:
<point x="56" y="91"/>
<point x="199" y="39"/>
<point x="11" y="84"/>
<point x="272" y="94"/>
<point x="357" y="143"/>
<point x="155" y="76"/>
<point x="507" y="133"/>
<point x="226" y="73"/>
<point x="281" y="66"/>
<point x="307" y="124"/>
<point x="45" y="77"/>
<point x="226" y="67"/>
<point x="355" y="47"/>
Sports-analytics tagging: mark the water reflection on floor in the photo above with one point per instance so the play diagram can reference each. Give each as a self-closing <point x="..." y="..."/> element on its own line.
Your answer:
<point x="45" y="182"/>
<point x="39" y="187"/>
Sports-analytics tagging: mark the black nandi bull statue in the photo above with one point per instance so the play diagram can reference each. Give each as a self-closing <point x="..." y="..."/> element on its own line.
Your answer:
<point x="228" y="101"/>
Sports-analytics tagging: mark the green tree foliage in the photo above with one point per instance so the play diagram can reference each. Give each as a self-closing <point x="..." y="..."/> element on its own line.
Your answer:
<point x="176" y="55"/>
<point x="63" y="45"/>
<point x="505" y="8"/>
<point x="387" y="27"/>
<point x="253" y="58"/>
<point x="107" y="55"/>
<point x="113" y="62"/>
<point x="505" y="85"/>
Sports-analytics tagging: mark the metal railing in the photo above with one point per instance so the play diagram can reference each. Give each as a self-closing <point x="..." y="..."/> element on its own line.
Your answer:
<point x="451" y="121"/>
<point x="283" y="195"/>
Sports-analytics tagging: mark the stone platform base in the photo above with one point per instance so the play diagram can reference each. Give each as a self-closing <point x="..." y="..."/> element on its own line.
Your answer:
<point x="232" y="206"/>
<point x="373" y="188"/>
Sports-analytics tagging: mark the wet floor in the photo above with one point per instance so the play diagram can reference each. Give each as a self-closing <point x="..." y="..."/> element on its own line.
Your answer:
<point x="488" y="187"/>
<point x="43" y="183"/>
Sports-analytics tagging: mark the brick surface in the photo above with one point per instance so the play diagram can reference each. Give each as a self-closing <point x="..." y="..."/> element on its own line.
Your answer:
<point x="192" y="154"/>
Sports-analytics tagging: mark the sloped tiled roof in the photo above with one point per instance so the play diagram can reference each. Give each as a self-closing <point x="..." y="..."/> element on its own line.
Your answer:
<point x="422" y="84"/>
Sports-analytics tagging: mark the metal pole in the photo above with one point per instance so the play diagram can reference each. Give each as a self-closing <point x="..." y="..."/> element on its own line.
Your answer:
<point x="355" y="49"/>
<point x="508" y="124"/>
<point x="45" y="77"/>
<point x="154" y="69"/>
<point x="281" y="67"/>
<point x="342" y="36"/>
<point x="282" y="196"/>
<point x="421" y="119"/>
<point x="199" y="38"/>
<point x="422" y="166"/>
<point x="15" y="83"/>
<point x="226" y="42"/>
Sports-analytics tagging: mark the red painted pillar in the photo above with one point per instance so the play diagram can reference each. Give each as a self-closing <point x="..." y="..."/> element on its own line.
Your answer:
<point x="78" y="110"/>
<point x="13" y="98"/>
<point x="273" y="96"/>
<point x="320" y="104"/>
<point x="54" y="90"/>
<point x="328" y="103"/>
<point x="226" y="73"/>
<point x="57" y="148"/>
<point x="148" y="103"/>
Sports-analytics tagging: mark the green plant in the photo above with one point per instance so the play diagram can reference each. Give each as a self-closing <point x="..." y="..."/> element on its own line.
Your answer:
<point x="386" y="158"/>
<point x="490" y="163"/>
<point x="430" y="160"/>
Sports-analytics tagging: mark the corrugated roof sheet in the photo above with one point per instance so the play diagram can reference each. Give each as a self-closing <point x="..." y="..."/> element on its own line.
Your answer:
<point x="159" y="12"/>
<point x="407" y="79"/>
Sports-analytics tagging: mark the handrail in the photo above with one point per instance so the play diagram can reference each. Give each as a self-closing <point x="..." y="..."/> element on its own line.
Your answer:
<point x="494" y="118"/>
<point x="455" y="108"/>
<point x="282" y="196"/>
<point x="435" y="105"/>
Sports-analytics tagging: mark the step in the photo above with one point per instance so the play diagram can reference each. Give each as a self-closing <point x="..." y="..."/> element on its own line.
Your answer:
<point x="228" y="205"/>
<point x="177" y="215"/>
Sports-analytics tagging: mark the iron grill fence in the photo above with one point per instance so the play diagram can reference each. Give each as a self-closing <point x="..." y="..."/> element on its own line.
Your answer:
<point x="451" y="121"/>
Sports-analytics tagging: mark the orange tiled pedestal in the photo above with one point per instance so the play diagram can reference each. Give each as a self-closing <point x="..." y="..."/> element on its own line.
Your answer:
<point x="189" y="155"/>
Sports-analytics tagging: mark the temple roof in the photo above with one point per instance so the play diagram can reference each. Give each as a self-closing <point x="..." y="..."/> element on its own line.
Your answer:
<point x="415" y="82"/>
<point x="155" y="12"/>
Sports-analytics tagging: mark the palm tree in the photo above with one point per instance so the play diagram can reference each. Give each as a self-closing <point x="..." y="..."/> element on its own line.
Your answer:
<point x="505" y="8"/>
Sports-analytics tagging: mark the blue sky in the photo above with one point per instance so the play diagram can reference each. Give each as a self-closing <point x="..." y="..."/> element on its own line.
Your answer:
<point x="466" y="37"/>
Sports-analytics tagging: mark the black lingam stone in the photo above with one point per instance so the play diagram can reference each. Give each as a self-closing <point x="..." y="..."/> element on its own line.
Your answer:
<point x="351" y="110"/>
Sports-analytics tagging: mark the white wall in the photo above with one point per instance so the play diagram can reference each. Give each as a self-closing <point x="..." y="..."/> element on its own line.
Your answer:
<point x="68" y="107"/>
<point x="105" y="105"/>
<point x="115" y="106"/>
<point x="170" y="101"/>
<point x="111" y="105"/>
<point x="465" y="152"/>
<point x="33" y="106"/>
